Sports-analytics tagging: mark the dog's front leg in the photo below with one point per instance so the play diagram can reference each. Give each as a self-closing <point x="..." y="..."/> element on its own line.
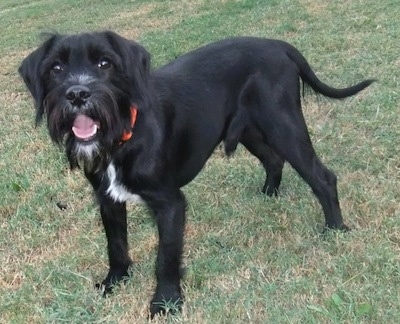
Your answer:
<point x="170" y="217"/>
<point x="113" y="215"/>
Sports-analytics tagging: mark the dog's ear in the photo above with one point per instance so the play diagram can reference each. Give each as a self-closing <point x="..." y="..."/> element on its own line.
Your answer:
<point x="30" y="71"/>
<point x="136" y="60"/>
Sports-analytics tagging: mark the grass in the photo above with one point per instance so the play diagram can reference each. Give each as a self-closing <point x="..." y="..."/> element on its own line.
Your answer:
<point x="249" y="258"/>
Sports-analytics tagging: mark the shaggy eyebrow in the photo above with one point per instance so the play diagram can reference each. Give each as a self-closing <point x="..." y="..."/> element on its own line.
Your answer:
<point x="62" y="54"/>
<point x="96" y="52"/>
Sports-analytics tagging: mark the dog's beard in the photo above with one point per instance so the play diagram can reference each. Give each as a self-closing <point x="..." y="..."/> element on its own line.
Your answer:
<point x="91" y="130"/>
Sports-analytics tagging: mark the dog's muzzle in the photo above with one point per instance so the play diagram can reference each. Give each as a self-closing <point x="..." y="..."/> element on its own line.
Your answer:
<point x="84" y="127"/>
<point x="77" y="94"/>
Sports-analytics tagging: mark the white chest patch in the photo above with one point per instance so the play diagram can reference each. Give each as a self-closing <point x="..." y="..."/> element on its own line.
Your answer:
<point x="117" y="190"/>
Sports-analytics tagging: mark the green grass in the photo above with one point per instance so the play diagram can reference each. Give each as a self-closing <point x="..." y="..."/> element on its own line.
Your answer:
<point x="250" y="259"/>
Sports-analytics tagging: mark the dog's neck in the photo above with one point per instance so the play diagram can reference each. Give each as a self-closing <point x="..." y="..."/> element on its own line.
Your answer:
<point x="126" y="135"/>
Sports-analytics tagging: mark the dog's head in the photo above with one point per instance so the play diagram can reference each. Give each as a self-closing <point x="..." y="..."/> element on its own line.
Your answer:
<point x="86" y="84"/>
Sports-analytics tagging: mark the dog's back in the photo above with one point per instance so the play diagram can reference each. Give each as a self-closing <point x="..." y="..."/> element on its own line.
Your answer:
<point x="234" y="57"/>
<point x="212" y="73"/>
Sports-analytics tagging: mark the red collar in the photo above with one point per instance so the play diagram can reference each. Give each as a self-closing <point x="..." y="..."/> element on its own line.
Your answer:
<point x="126" y="135"/>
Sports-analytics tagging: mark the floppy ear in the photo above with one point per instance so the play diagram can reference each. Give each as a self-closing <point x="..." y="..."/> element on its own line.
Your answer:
<point x="30" y="71"/>
<point x="136" y="60"/>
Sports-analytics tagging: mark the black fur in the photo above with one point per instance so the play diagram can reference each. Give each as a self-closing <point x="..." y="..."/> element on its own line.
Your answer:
<point x="240" y="90"/>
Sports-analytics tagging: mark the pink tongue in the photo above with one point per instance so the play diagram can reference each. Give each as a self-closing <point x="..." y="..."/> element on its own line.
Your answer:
<point x="84" y="127"/>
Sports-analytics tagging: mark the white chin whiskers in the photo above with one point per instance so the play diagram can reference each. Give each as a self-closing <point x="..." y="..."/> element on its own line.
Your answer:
<point x="86" y="151"/>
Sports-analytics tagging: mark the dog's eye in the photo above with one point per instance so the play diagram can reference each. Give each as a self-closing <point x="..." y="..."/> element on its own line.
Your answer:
<point x="56" y="68"/>
<point x="104" y="64"/>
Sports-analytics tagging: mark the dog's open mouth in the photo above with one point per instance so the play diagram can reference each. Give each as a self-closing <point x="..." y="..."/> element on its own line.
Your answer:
<point x="85" y="128"/>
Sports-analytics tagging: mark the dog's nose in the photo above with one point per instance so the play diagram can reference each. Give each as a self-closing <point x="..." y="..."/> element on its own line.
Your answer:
<point x="77" y="93"/>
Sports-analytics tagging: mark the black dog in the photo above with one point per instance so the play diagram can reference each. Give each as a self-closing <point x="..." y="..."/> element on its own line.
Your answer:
<point x="142" y="135"/>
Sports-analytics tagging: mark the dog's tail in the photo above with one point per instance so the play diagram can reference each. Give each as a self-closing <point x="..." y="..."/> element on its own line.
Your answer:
<point x="308" y="76"/>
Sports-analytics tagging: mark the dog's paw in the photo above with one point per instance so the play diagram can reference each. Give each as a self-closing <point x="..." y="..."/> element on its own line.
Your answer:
<point x="112" y="280"/>
<point x="270" y="188"/>
<point x="342" y="227"/>
<point x="270" y="191"/>
<point x="166" y="301"/>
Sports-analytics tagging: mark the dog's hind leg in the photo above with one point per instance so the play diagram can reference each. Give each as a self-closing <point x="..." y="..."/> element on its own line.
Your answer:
<point x="273" y="164"/>
<point x="276" y="113"/>
<point x="241" y="130"/>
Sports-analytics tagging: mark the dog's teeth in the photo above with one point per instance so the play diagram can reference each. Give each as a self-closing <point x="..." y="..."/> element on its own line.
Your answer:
<point x="94" y="130"/>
